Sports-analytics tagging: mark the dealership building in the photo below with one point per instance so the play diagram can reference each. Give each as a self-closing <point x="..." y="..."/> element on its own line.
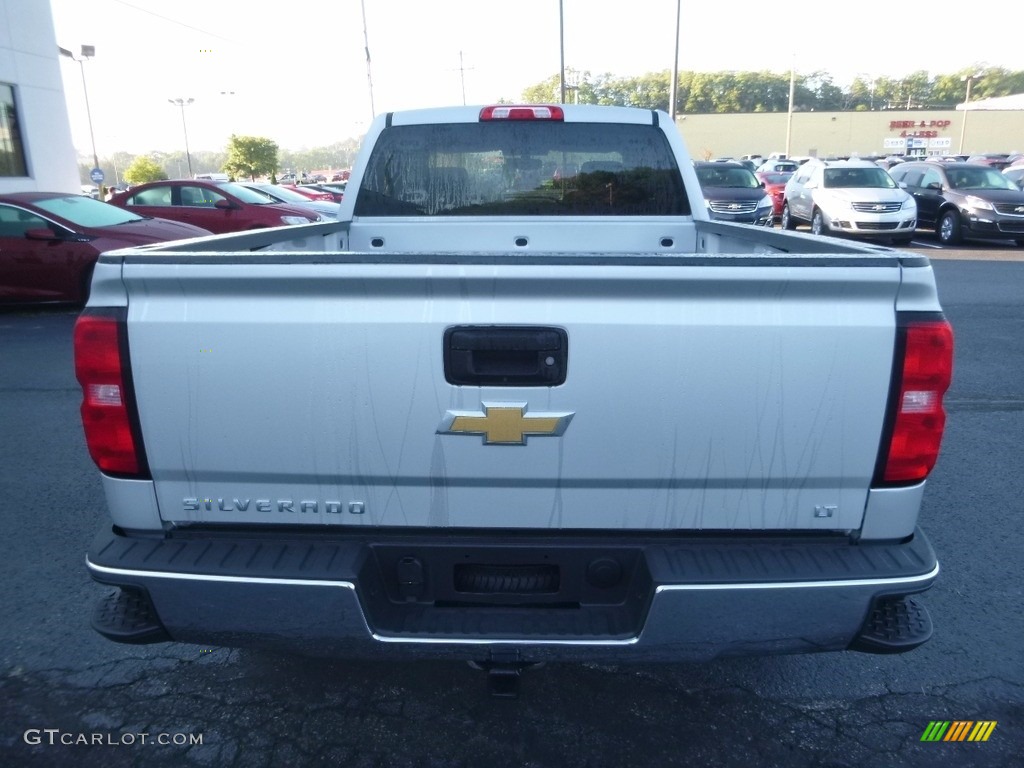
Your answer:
<point x="36" y="149"/>
<point x="989" y="125"/>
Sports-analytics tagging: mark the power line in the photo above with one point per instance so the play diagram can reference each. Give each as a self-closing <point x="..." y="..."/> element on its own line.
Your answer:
<point x="174" y="21"/>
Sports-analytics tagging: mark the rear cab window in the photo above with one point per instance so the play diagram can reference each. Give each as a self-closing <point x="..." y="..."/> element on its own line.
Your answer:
<point x="517" y="169"/>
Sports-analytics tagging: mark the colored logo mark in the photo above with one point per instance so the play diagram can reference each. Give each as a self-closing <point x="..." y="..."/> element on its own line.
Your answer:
<point x="506" y="424"/>
<point x="958" y="730"/>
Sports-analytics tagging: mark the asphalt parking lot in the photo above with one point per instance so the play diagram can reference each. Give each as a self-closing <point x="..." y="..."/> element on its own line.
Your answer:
<point x="69" y="697"/>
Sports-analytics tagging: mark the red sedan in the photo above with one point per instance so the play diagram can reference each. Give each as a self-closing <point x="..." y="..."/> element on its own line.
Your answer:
<point x="219" y="206"/>
<point x="775" y="185"/>
<point x="310" y="191"/>
<point x="49" y="242"/>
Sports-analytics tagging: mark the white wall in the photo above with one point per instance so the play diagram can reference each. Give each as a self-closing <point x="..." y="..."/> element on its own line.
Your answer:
<point x="30" y="62"/>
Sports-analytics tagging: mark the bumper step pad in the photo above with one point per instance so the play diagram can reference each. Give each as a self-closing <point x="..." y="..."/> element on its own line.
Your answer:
<point x="894" y="625"/>
<point x="127" y="616"/>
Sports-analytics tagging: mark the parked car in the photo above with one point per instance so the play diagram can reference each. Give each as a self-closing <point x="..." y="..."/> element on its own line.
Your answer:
<point x="213" y="205"/>
<point x="329" y="189"/>
<point x="997" y="160"/>
<point x="282" y="194"/>
<point x="335" y="187"/>
<point x="733" y="193"/>
<point x="964" y="200"/>
<point x="777" y="166"/>
<point x="850" y="197"/>
<point x="775" y="185"/>
<point x="888" y="161"/>
<point x="49" y="242"/>
<point x="309" y="191"/>
<point x="1015" y="173"/>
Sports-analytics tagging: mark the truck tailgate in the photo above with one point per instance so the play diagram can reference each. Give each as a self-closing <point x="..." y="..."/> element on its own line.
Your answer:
<point x="698" y="393"/>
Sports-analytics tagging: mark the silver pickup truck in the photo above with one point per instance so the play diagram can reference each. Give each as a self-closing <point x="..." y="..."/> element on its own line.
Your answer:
<point x="524" y="401"/>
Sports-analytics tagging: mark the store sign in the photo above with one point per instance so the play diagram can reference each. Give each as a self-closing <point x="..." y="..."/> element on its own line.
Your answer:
<point x="898" y="125"/>
<point x="919" y="129"/>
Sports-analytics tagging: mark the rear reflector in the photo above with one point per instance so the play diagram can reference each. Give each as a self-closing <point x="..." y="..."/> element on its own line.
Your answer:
<point x="924" y="370"/>
<point x="108" y="409"/>
<point x="509" y="112"/>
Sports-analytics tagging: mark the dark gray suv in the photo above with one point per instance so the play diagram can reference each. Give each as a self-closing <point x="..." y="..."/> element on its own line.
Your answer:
<point x="733" y="193"/>
<point x="964" y="200"/>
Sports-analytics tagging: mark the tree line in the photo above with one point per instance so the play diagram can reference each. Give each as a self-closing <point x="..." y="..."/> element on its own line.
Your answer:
<point x="697" y="93"/>
<point x="739" y="92"/>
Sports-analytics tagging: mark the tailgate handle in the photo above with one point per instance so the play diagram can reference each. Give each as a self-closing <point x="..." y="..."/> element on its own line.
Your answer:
<point x="501" y="355"/>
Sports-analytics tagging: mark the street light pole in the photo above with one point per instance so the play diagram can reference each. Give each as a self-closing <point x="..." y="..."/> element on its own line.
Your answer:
<point x="789" y="113"/>
<point x="674" y="90"/>
<point x="967" y="101"/>
<point x="182" y="103"/>
<point x="369" y="74"/>
<point x="88" y="51"/>
<point x="561" y="53"/>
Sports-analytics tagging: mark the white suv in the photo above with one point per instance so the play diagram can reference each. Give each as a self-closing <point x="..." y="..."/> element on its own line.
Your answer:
<point x="852" y="197"/>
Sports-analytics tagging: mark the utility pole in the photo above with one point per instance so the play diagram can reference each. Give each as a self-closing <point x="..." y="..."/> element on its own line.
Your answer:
<point x="967" y="108"/>
<point x="182" y="103"/>
<point x="561" y="48"/>
<point x="462" y="76"/>
<point x="674" y="91"/>
<point x="789" y="114"/>
<point x="369" y="74"/>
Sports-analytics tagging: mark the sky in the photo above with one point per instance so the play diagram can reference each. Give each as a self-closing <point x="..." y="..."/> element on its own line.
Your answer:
<point x="296" y="71"/>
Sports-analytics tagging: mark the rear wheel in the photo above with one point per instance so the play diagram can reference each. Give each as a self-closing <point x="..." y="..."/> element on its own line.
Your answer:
<point x="818" y="226"/>
<point x="787" y="221"/>
<point x="949" y="228"/>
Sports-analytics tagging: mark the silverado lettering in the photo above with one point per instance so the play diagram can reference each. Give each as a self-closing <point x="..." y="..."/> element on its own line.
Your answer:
<point x="262" y="505"/>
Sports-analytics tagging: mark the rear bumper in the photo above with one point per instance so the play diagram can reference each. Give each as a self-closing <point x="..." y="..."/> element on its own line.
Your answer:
<point x="647" y="598"/>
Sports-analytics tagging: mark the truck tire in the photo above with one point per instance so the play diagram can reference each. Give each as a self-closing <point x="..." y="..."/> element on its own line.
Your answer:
<point x="949" y="228"/>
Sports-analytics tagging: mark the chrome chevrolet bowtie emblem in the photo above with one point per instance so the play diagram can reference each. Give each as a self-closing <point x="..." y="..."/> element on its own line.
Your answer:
<point x="504" y="423"/>
<point x="1019" y="209"/>
<point x="879" y="207"/>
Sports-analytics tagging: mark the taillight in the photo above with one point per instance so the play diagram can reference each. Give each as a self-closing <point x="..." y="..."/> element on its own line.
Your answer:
<point x="521" y="112"/>
<point x="924" y="369"/>
<point x="108" y="407"/>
